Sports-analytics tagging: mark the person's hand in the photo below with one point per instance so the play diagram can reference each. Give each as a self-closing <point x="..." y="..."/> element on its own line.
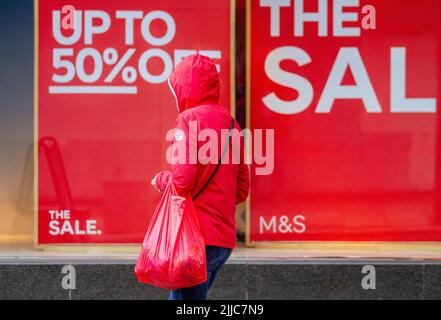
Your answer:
<point x="154" y="185"/>
<point x="160" y="181"/>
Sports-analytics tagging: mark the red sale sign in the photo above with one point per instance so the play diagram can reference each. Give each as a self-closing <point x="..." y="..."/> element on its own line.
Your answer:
<point x="104" y="106"/>
<point x="352" y="91"/>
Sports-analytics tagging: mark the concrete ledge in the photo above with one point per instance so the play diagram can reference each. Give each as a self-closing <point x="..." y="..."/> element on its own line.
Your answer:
<point x="295" y="279"/>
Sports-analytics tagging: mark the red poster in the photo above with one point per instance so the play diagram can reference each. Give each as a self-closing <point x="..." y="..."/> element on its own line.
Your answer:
<point x="352" y="91"/>
<point x="104" y="108"/>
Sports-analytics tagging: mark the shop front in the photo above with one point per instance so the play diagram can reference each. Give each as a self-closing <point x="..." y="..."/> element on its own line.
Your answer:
<point x="339" y="105"/>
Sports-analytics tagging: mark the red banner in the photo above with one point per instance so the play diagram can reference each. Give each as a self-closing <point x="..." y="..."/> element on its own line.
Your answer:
<point x="352" y="90"/>
<point x="104" y="107"/>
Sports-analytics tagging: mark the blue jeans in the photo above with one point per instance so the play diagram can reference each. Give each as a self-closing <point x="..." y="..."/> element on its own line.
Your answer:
<point x="216" y="258"/>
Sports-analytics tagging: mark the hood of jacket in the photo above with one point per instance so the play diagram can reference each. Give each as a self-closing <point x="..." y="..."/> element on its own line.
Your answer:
<point x="194" y="81"/>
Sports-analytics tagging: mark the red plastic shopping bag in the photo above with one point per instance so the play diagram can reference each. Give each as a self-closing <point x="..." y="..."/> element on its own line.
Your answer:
<point x="173" y="251"/>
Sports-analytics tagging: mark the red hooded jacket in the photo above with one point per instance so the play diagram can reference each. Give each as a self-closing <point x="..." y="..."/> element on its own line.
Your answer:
<point x="195" y="84"/>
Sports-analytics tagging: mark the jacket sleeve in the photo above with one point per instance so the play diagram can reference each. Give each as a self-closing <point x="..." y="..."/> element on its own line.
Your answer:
<point x="243" y="183"/>
<point x="183" y="168"/>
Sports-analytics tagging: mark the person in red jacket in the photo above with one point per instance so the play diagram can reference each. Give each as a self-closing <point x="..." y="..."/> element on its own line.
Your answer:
<point x="195" y="85"/>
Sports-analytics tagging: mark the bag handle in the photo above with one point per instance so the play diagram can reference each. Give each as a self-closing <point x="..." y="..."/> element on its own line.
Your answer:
<point x="220" y="160"/>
